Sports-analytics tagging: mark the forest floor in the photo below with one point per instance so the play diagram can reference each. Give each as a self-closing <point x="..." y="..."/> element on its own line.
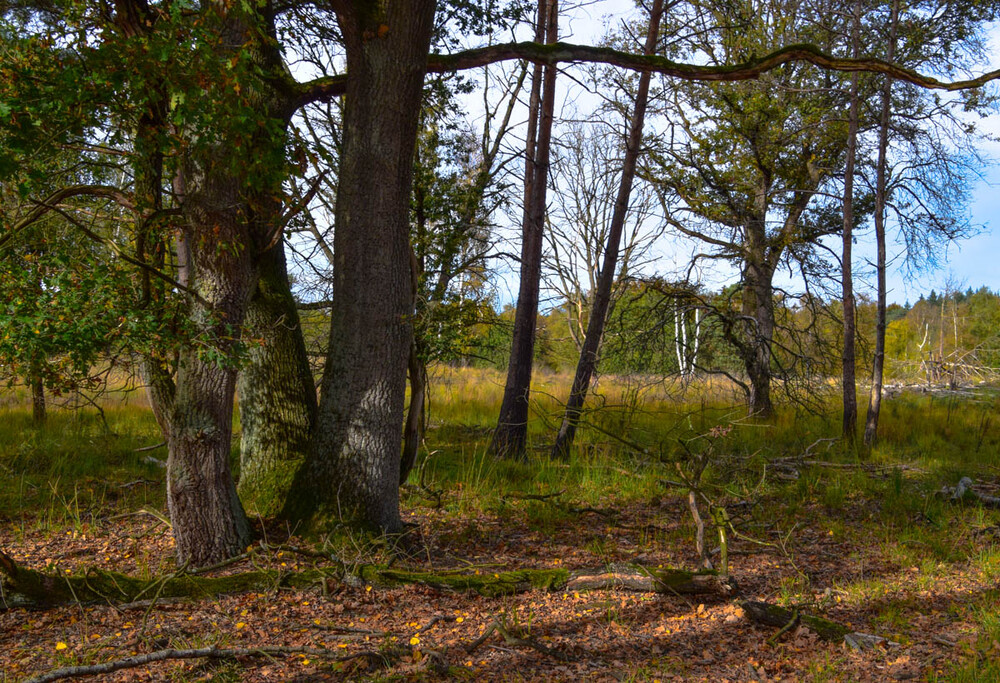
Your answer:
<point x="865" y="541"/>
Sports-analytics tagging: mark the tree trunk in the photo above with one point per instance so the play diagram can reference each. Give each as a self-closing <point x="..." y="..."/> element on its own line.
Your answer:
<point x="510" y="435"/>
<point x="277" y="395"/>
<point x="605" y="280"/>
<point x="208" y="521"/>
<point x="850" y="392"/>
<point x="413" y="431"/>
<point x="37" y="395"/>
<point x="758" y="332"/>
<point x="878" y="362"/>
<point x="353" y="464"/>
<point x="232" y="184"/>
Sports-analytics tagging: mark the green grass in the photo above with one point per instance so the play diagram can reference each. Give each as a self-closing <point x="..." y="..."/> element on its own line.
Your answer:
<point x="73" y="470"/>
<point x="883" y="504"/>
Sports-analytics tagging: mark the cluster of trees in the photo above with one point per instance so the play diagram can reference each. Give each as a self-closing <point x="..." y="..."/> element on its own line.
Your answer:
<point x="157" y="158"/>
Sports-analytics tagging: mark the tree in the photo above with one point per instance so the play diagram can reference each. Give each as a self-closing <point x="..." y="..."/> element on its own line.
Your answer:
<point x="511" y="433"/>
<point x="849" y="385"/>
<point x="455" y="190"/>
<point x="354" y="459"/>
<point x="927" y="155"/>
<point x="602" y="296"/>
<point x="743" y="174"/>
<point x="201" y="94"/>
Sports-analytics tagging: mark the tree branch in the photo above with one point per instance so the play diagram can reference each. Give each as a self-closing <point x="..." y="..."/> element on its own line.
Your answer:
<point x="555" y="53"/>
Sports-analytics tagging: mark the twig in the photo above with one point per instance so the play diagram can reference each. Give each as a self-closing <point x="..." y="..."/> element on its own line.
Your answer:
<point x="144" y="511"/>
<point x="137" y="482"/>
<point x="474" y="645"/>
<point x="773" y="640"/>
<point x="150" y="448"/>
<point x="511" y="639"/>
<point x="200" y="653"/>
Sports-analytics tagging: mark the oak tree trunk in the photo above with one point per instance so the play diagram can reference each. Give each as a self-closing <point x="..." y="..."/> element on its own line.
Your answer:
<point x="353" y="464"/>
<point x="277" y="395"/>
<point x="232" y="183"/>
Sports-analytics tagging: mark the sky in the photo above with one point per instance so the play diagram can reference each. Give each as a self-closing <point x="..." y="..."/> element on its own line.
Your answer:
<point x="971" y="262"/>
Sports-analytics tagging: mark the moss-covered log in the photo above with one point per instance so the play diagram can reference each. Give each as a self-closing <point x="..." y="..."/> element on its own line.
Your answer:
<point x="22" y="586"/>
<point x="772" y="615"/>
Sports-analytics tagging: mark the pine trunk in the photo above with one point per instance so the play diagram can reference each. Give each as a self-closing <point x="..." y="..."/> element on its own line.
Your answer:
<point x="511" y="433"/>
<point x="354" y="461"/>
<point x="587" y="364"/>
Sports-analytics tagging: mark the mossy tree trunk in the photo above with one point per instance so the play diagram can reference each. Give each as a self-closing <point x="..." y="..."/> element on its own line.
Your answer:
<point x="23" y="586"/>
<point x="277" y="395"/>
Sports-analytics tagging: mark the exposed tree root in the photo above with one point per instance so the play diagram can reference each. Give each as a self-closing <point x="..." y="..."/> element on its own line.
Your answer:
<point x="20" y="586"/>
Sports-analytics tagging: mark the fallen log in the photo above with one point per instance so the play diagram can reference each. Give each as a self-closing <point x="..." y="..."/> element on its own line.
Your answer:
<point x="772" y="615"/>
<point x="964" y="493"/>
<point x="200" y="653"/>
<point x="787" y="619"/>
<point x="20" y="586"/>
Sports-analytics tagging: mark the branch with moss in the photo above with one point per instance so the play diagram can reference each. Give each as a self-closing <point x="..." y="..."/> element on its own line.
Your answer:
<point x="557" y="53"/>
<point x="28" y="587"/>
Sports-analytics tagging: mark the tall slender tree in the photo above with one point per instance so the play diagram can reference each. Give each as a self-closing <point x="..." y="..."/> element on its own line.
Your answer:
<point x="602" y="296"/>
<point x="850" y="391"/>
<point x="511" y="433"/>
<point x="881" y="185"/>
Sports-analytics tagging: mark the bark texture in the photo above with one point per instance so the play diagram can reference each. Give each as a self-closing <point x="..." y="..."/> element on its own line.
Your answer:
<point x="277" y="395"/>
<point x="353" y="464"/>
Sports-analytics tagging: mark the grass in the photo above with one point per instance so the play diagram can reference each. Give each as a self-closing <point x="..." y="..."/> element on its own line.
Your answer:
<point x="77" y="471"/>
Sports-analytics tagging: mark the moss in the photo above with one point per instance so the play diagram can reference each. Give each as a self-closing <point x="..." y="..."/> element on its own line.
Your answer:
<point x="103" y="586"/>
<point x="772" y="615"/>
<point x="489" y="585"/>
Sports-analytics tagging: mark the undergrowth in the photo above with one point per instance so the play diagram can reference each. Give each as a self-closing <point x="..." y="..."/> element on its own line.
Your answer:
<point x="778" y="480"/>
